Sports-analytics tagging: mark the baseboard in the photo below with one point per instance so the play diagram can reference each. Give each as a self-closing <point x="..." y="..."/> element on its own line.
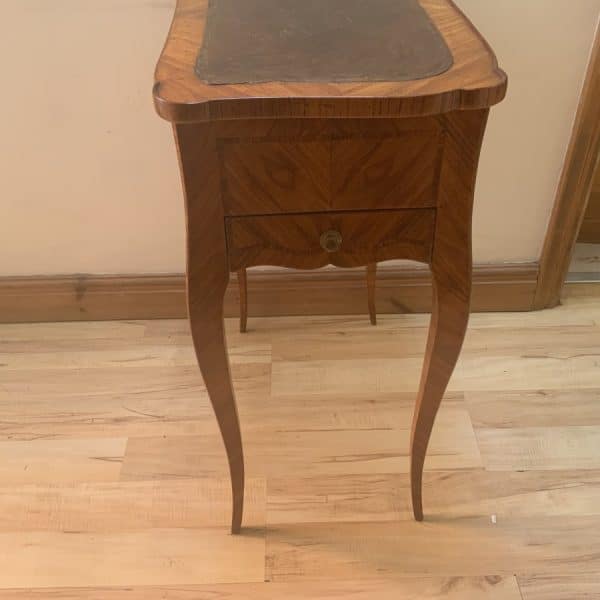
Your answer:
<point x="274" y="292"/>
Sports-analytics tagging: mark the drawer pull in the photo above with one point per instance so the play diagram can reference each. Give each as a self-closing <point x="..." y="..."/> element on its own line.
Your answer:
<point x="331" y="241"/>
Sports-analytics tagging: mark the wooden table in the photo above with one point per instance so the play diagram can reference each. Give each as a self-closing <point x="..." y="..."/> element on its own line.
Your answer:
<point x="338" y="132"/>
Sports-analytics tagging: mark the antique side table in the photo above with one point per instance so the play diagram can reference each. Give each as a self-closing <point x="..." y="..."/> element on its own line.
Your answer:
<point x="319" y="132"/>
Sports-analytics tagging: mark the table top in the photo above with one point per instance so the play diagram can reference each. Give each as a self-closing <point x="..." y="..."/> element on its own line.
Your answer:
<point x="227" y="59"/>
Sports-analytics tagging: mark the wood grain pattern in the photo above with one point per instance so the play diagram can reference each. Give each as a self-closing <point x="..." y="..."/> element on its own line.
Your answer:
<point x="409" y="588"/>
<point x="535" y="408"/>
<point x="474" y="81"/>
<point x="590" y="228"/>
<point x="472" y="374"/>
<point x="538" y="448"/>
<point x="307" y="451"/>
<point x="549" y="587"/>
<point x="243" y="289"/>
<point x="207" y="279"/>
<point x="328" y="511"/>
<point x="105" y="506"/>
<point x="242" y="276"/>
<point x="365" y="550"/>
<point x="371" y="288"/>
<point x="455" y="494"/>
<point x="294" y="241"/>
<point x="86" y="559"/>
<point x="60" y="461"/>
<point x="400" y="172"/>
<point x="581" y="164"/>
<point x="267" y="177"/>
<point x="451" y="266"/>
<point x="333" y="187"/>
<point x="440" y="236"/>
<point x="401" y="289"/>
<point x="306" y="165"/>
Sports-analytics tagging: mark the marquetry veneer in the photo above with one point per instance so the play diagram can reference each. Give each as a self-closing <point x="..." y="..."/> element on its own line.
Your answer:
<point x="346" y="135"/>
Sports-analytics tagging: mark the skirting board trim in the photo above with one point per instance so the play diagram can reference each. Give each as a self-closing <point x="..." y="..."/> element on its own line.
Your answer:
<point x="272" y="292"/>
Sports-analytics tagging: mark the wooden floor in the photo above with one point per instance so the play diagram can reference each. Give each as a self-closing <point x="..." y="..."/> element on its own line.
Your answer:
<point x="113" y="479"/>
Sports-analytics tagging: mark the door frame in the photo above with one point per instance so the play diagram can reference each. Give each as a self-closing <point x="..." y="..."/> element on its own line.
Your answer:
<point x="581" y="163"/>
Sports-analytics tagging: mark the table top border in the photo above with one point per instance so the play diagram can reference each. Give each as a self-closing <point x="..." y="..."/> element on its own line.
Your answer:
<point x="473" y="82"/>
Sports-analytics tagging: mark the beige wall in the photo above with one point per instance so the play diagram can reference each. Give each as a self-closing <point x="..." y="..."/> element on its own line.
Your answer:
<point x="89" y="175"/>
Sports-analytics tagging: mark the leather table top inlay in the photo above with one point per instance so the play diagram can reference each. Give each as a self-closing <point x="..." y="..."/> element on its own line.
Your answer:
<point x="257" y="41"/>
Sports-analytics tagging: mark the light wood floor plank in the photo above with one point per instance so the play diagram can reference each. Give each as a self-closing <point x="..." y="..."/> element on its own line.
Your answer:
<point x="61" y="461"/>
<point x="308" y="451"/>
<point x="297" y="413"/>
<point x="151" y="557"/>
<point x="115" y="402"/>
<point x="337" y="376"/>
<point x="399" y="588"/>
<point x="532" y="448"/>
<point x="535" y="408"/>
<point x="114" y="481"/>
<point x="473" y="372"/>
<point x="445" y="547"/>
<point x="76" y="331"/>
<point x="527" y="372"/>
<point x="393" y="339"/>
<point x="388" y="340"/>
<point x="112" y="507"/>
<point x="94" y="355"/>
<point x="560" y="587"/>
<point x="447" y="495"/>
<point x="554" y="341"/>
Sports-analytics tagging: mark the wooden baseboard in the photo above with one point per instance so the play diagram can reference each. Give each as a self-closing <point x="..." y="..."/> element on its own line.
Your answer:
<point x="270" y="293"/>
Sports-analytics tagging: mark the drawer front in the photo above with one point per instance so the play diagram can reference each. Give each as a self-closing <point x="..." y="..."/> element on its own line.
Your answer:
<point x="265" y="177"/>
<point x="396" y="172"/>
<point x="348" y="239"/>
<point x="260" y="177"/>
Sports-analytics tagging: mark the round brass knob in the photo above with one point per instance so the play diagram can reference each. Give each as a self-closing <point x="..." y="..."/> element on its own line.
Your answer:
<point x="331" y="241"/>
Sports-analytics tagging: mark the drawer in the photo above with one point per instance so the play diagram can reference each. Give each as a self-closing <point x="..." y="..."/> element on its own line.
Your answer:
<point x="366" y="172"/>
<point x="394" y="172"/>
<point x="265" y="177"/>
<point x="348" y="239"/>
